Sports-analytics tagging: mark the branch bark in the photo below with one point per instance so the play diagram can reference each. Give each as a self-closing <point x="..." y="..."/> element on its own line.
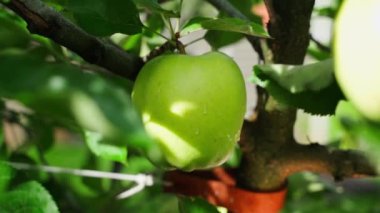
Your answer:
<point x="45" y="21"/>
<point x="270" y="153"/>
<point x="289" y="26"/>
<point x="313" y="158"/>
<point x="273" y="128"/>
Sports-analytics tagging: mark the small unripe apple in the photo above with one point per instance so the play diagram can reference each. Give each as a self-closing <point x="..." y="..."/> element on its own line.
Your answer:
<point x="193" y="106"/>
<point x="357" y="51"/>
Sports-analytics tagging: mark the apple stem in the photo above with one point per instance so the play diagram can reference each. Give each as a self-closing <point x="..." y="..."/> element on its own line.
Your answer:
<point x="180" y="47"/>
<point x="169" y="25"/>
<point x="157" y="33"/>
<point x="194" y="41"/>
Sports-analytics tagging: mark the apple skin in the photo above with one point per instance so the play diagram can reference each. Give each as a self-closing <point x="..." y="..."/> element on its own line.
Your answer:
<point x="357" y="51"/>
<point x="193" y="106"/>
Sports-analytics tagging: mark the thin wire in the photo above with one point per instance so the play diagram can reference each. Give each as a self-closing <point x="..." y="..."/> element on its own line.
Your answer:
<point x="130" y="192"/>
<point x="142" y="180"/>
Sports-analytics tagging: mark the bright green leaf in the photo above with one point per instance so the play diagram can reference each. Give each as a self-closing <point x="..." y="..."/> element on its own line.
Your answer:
<point x="29" y="197"/>
<point x="6" y="175"/>
<point x="296" y="79"/>
<point x="132" y="44"/>
<point x="106" y="17"/>
<point x="310" y="87"/>
<point x="109" y="152"/>
<point x="225" y="24"/>
<point x="195" y="205"/>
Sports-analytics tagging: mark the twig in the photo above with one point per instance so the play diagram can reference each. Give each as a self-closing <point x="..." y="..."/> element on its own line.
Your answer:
<point x="320" y="45"/>
<point x="229" y="9"/>
<point x="45" y="21"/>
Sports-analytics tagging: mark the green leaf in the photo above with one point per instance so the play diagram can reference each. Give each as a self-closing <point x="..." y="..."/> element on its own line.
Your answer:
<point x="308" y="87"/>
<point x="12" y="34"/>
<point x="42" y="133"/>
<point x="154" y="7"/>
<point x="132" y="44"/>
<point x="218" y="39"/>
<point x="195" y="205"/>
<point x="6" y="175"/>
<point x="106" y="17"/>
<point x="245" y="6"/>
<point x="360" y="129"/>
<point x="106" y="151"/>
<point x="2" y="108"/>
<point x="28" y="197"/>
<point x="312" y="77"/>
<point x="314" y="51"/>
<point x="357" y="125"/>
<point x="225" y="24"/>
<point x="73" y="97"/>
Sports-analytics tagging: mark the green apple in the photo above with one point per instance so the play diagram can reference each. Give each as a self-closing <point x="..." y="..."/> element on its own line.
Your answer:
<point x="193" y="106"/>
<point x="357" y="51"/>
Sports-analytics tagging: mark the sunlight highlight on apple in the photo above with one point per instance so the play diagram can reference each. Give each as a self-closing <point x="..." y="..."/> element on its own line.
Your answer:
<point x="170" y="139"/>
<point x="181" y="108"/>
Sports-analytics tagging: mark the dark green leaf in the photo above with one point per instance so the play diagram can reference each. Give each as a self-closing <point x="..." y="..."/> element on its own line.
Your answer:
<point x="245" y="6"/>
<point x="42" y="133"/>
<point x="309" y="87"/>
<point x="154" y="7"/>
<point x="2" y="107"/>
<point x="218" y="39"/>
<point x="106" y="17"/>
<point x="154" y="25"/>
<point x="330" y="11"/>
<point x="327" y="12"/>
<point x="29" y="197"/>
<point x="98" y="185"/>
<point x="109" y="152"/>
<point x="12" y="34"/>
<point x="195" y="205"/>
<point x="225" y="24"/>
<point x="309" y="193"/>
<point x="314" y="51"/>
<point x="67" y="94"/>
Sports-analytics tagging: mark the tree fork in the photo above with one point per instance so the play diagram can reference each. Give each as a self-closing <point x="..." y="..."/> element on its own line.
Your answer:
<point x="270" y="153"/>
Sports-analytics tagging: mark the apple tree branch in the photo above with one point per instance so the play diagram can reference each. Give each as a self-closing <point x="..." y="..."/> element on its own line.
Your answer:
<point x="45" y="21"/>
